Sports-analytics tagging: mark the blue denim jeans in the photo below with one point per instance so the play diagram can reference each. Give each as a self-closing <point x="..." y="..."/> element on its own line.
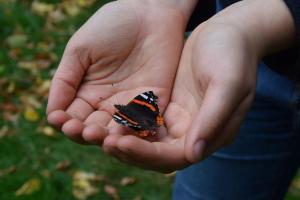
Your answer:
<point x="265" y="156"/>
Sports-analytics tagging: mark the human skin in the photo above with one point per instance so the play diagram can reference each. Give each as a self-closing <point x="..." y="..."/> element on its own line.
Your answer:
<point x="213" y="89"/>
<point x="214" y="86"/>
<point x="124" y="49"/>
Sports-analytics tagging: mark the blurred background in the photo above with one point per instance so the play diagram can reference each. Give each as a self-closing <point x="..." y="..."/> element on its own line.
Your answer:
<point x="37" y="162"/>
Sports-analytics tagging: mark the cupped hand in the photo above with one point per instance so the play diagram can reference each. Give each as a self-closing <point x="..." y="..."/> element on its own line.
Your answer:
<point x="214" y="87"/>
<point x="125" y="48"/>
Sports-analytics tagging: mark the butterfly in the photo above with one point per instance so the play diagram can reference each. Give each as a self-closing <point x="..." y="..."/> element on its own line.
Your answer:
<point x="141" y="114"/>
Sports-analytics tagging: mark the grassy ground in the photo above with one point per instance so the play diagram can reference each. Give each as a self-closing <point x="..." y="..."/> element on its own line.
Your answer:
<point x="37" y="162"/>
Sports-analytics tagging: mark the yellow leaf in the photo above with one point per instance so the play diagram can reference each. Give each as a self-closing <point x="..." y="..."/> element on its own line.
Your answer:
<point x="71" y="8"/>
<point x="17" y="40"/>
<point x="83" y="186"/>
<point x="85" y="3"/>
<point x="29" y="187"/>
<point x="43" y="87"/>
<point x="41" y="8"/>
<point x="11" y="87"/>
<point x="48" y="131"/>
<point x="30" y="100"/>
<point x="4" y="131"/>
<point x="31" y="115"/>
<point x="127" y="181"/>
<point x="27" y="65"/>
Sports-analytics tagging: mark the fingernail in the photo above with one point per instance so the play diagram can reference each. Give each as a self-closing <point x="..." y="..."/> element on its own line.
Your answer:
<point x="199" y="149"/>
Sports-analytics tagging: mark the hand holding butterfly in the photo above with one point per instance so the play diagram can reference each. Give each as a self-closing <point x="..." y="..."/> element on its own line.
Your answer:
<point x="127" y="44"/>
<point x="214" y="86"/>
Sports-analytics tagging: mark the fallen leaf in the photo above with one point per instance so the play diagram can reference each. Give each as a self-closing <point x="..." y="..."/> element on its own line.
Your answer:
<point x="11" y="87"/>
<point x="83" y="186"/>
<point x="9" y="170"/>
<point x="17" y="40"/>
<point x="127" y="181"/>
<point x="41" y="8"/>
<point x="30" y="100"/>
<point x="30" y="114"/>
<point x="29" y="65"/>
<point x="71" y="8"/>
<point x="10" y="116"/>
<point x="29" y="187"/>
<point x="43" y="87"/>
<point x="87" y="176"/>
<point x="137" y="198"/>
<point x="57" y="16"/>
<point x="48" y="131"/>
<point x="85" y="3"/>
<point x="111" y="191"/>
<point x="63" y="165"/>
<point x="4" y="131"/>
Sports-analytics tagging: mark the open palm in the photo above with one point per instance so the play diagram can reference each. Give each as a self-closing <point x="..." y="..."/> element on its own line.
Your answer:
<point x="214" y="87"/>
<point x="124" y="49"/>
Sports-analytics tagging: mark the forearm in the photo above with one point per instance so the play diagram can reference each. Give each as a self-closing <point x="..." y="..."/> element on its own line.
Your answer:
<point x="267" y="24"/>
<point x="185" y="7"/>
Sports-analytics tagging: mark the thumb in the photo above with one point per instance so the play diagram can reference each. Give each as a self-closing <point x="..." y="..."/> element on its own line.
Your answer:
<point x="215" y="111"/>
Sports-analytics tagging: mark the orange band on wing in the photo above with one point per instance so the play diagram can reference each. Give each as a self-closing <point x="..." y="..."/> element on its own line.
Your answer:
<point x="144" y="104"/>
<point x="125" y="117"/>
<point x="160" y="120"/>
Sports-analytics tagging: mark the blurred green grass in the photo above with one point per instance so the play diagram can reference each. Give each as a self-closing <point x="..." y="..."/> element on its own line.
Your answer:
<point x="32" y="40"/>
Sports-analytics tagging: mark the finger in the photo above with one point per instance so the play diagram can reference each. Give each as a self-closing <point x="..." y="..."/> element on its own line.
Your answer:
<point x="73" y="129"/>
<point x="164" y="157"/>
<point x="79" y="109"/>
<point x="218" y="104"/>
<point x="110" y="143"/>
<point x="58" y="118"/>
<point x="65" y="81"/>
<point x="94" y="132"/>
<point x="118" y="154"/>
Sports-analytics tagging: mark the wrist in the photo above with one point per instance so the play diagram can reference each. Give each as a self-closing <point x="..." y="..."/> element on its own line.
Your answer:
<point x="185" y="7"/>
<point x="268" y="24"/>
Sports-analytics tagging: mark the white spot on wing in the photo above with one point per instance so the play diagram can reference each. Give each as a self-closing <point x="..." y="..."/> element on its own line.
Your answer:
<point x="144" y="96"/>
<point x="117" y="117"/>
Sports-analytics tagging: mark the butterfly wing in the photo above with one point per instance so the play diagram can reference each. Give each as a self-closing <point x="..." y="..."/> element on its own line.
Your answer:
<point x="142" y="113"/>
<point x="122" y="118"/>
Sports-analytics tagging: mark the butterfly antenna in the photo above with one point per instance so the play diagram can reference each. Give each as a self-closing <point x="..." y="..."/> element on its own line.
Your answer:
<point x="116" y="96"/>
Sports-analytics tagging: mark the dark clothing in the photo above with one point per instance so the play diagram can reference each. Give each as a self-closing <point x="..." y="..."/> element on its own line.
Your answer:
<point x="286" y="62"/>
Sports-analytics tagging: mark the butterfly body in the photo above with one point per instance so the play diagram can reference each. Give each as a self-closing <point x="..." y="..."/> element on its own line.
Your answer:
<point x="141" y="114"/>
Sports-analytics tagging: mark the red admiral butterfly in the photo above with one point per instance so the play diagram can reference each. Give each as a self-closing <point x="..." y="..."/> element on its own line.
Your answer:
<point x="141" y="114"/>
